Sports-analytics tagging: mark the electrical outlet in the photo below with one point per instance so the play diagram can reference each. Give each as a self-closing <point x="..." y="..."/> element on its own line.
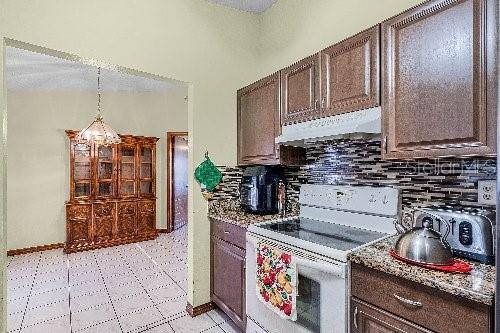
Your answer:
<point x="487" y="192"/>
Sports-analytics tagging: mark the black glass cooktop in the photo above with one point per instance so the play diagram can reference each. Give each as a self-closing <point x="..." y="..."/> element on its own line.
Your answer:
<point x="332" y="235"/>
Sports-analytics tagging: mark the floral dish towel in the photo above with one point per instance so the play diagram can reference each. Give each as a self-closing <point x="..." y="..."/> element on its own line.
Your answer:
<point x="276" y="281"/>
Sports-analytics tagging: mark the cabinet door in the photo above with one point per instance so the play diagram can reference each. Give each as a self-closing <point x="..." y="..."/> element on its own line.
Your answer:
<point x="300" y="91"/>
<point x="104" y="218"/>
<point x="228" y="280"/>
<point x="126" y="223"/>
<point x="366" y="318"/>
<point x="259" y="122"/>
<point x="147" y="171"/>
<point x="350" y="78"/>
<point x="127" y="183"/>
<point x="81" y="171"/>
<point x="78" y="224"/>
<point x="105" y="171"/>
<point x="146" y="220"/>
<point x="439" y="80"/>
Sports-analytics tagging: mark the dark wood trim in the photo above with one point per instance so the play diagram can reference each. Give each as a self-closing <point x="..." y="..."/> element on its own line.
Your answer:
<point x="170" y="172"/>
<point x="200" y="309"/>
<point x="32" y="249"/>
<point x="162" y="231"/>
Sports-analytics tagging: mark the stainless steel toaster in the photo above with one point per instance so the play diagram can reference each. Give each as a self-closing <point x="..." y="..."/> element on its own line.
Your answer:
<point x="472" y="230"/>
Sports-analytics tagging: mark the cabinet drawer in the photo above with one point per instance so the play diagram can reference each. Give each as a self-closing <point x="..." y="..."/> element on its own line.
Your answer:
<point x="366" y="318"/>
<point x="433" y="309"/>
<point x="229" y="232"/>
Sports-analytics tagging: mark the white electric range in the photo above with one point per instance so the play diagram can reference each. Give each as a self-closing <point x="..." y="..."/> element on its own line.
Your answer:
<point x="333" y="221"/>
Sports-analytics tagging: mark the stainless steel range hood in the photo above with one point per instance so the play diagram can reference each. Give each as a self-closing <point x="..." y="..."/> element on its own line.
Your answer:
<point x="357" y="124"/>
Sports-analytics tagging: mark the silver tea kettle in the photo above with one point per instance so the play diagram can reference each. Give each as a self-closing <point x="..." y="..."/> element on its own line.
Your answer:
<point x="425" y="245"/>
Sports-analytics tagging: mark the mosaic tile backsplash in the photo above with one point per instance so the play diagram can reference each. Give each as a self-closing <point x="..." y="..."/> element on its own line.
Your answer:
<point x="450" y="181"/>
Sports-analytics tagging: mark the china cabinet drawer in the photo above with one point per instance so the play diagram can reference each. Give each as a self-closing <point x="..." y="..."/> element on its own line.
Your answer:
<point x="428" y="307"/>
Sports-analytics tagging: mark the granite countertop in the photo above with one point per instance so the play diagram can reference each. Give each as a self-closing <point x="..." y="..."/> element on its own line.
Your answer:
<point x="230" y="211"/>
<point x="478" y="286"/>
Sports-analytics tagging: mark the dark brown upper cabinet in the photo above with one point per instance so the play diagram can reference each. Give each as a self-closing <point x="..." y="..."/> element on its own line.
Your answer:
<point x="300" y="91"/>
<point x="350" y="74"/>
<point x="439" y="80"/>
<point x="259" y="124"/>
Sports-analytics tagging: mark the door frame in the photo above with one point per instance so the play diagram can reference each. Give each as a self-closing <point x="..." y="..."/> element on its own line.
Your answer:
<point x="169" y="175"/>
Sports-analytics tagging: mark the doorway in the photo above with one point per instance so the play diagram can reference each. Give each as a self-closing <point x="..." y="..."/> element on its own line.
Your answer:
<point x="177" y="180"/>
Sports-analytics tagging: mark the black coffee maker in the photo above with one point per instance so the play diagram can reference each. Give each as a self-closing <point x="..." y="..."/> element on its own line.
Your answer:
<point x="259" y="189"/>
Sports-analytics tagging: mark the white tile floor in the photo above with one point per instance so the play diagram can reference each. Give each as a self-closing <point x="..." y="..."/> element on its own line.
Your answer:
<point x="131" y="288"/>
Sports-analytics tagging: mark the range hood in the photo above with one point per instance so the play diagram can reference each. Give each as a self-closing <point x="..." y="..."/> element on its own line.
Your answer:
<point x="358" y="124"/>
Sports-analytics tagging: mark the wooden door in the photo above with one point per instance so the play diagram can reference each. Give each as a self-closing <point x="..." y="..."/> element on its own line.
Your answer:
<point x="105" y="172"/>
<point x="350" y="74"/>
<point x="366" y="318"/>
<point x="228" y="280"/>
<point x="300" y="91"/>
<point x="146" y="218"/>
<point x="127" y="172"/>
<point x="177" y="180"/>
<point x="259" y="122"/>
<point x="104" y="219"/>
<point x="127" y="219"/>
<point x="78" y="225"/>
<point x="439" y="80"/>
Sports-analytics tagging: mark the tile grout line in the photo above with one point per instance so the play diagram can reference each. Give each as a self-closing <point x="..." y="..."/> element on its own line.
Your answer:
<point x="107" y="292"/>
<point x="69" y="294"/>
<point x="31" y="290"/>
<point x="137" y="279"/>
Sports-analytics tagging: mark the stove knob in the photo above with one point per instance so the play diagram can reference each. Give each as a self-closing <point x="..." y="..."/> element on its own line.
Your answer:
<point x="465" y="233"/>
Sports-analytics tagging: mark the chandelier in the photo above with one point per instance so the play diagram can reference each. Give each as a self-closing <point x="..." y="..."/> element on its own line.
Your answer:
<point x="98" y="132"/>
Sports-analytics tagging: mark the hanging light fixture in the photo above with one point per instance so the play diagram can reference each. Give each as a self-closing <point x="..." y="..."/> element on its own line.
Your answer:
<point x="98" y="132"/>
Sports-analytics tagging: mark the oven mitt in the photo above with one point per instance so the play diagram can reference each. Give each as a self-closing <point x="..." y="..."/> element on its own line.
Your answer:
<point x="208" y="175"/>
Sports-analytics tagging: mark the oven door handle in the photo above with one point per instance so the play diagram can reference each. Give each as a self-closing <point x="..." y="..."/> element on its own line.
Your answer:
<point x="325" y="267"/>
<point x="329" y="268"/>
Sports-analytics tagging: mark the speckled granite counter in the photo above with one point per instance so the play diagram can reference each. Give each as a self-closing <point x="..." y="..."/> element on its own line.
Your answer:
<point x="229" y="211"/>
<point x="478" y="286"/>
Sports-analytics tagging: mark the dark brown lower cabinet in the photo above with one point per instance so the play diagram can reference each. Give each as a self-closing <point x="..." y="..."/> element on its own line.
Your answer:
<point x="228" y="270"/>
<point x="382" y="302"/>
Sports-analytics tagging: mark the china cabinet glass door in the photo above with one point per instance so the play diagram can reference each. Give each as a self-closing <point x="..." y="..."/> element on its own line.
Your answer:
<point x="105" y="168"/>
<point x="82" y="173"/>
<point x="127" y="170"/>
<point x="146" y="172"/>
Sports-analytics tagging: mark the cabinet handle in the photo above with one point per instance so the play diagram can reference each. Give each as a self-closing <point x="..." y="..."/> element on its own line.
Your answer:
<point x="323" y="102"/>
<point x="385" y="144"/>
<point x="407" y="301"/>
<point x="355" y="319"/>
<point x="316" y="104"/>
<point x="226" y="232"/>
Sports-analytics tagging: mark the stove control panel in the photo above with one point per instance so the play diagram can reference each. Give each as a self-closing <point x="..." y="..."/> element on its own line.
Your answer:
<point x="376" y="200"/>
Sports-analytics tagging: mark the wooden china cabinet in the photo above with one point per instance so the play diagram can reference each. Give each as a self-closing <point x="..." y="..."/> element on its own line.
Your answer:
<point x="112" y="193"/>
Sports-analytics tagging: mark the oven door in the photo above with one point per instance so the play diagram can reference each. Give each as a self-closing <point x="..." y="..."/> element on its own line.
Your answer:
<point x="321" y="296"/>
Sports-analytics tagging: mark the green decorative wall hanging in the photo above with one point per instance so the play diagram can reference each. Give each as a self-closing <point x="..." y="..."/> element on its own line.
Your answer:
<point x="208" y="176"/>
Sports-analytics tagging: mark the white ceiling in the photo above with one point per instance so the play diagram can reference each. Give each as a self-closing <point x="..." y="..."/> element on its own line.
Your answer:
<point x="254" y="6"/>
<point x="32" y="71"/>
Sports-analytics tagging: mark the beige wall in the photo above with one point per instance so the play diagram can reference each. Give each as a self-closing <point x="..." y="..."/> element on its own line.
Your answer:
<point x="209" y="46"/>
<point x="217" y="50"/>
<point x="38" y="173"/>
